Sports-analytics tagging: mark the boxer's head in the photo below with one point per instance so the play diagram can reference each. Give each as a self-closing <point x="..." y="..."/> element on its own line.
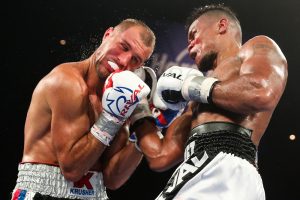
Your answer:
<point x="209" y="29"/>
<point x="124" y="47"/>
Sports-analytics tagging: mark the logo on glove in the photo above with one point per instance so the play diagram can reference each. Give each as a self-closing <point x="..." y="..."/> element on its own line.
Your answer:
<point x="173" y="75"/>
<point x="121" y="103"/>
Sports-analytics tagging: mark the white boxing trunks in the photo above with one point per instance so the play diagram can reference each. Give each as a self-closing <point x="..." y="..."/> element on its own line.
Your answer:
<point x="220" y="164"/>
<point x="41" y="181"/>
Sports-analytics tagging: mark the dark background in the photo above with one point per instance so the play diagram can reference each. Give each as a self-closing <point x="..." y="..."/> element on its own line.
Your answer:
<point x="30" y="34"/>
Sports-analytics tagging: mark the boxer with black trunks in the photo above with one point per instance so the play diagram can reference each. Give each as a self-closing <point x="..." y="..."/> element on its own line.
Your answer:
<point x="227" y="110"/>
<point x="76" y="130"/>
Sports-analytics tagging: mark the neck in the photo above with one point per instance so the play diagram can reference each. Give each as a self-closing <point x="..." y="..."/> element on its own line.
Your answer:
<point x="228" y="49"/>
<point x="94" y="83"/>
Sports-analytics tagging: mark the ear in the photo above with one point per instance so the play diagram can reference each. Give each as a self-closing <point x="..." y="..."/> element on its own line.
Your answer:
<point x="223" y="25"/>
<point x="107" y="33"/>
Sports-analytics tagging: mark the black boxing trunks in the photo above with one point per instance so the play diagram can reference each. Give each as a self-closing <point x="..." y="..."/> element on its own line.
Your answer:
<point x="41" y="181"/>
<point x="219" y="164"/>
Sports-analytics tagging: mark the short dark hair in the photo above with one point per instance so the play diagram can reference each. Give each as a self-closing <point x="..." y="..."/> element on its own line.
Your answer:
<point x="219" y="8"/>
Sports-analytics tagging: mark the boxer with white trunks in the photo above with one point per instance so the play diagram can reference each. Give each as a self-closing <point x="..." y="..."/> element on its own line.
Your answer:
<point x="227" y="110"/>
<point x="76" y="130"/>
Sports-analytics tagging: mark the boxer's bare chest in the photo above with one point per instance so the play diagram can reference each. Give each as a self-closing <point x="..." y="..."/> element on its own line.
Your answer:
<point x="227" y="69"/>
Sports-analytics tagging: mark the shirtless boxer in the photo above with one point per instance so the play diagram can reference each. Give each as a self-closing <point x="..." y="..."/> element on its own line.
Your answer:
<point x="228" y="112"/>
<point x="71" y="143"/>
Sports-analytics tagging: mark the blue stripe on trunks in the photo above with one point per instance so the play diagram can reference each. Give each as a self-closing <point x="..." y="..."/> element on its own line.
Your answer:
<point x="22" y="195"/>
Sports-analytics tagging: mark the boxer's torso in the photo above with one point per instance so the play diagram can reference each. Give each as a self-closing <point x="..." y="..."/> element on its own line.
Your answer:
<point x="38" y="145"/>
<point x="229" y="69"/>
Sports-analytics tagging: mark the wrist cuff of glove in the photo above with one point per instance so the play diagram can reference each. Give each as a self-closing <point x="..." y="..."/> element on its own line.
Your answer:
<point x="106" y="127"/>
<point x="133" y="139"/>
<point x="198" y="88"/>
<point x="141" y="112"/>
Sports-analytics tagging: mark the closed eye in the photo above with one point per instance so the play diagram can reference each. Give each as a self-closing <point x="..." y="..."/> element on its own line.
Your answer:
<point x="136" y="60"/>
<point x="125" y="47"/>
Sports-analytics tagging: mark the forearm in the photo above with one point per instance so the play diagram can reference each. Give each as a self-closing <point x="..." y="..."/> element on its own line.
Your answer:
<point x="121" y="166"/>
<point x="243" y="95"/>
<point x="86" y="151"/>
<point x="83" y="154"/>
<point x="244" y="92"/>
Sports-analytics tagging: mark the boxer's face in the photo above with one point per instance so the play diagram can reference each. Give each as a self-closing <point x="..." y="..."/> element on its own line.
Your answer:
<point x="201" y="42"/>
<point x="121" y="51"/>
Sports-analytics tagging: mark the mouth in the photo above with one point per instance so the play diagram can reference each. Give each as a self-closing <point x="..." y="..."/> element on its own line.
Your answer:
<point x="112" y="66"/>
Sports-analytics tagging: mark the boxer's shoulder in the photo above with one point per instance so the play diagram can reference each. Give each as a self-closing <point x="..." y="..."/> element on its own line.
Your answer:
<point x="259" y="42"/>
<point x="65" y="77"/>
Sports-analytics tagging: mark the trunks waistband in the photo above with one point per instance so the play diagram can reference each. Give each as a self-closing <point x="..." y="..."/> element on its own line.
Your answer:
<point x="215" y="137"/>
<point x="48" y="180"/>
<point x="220" y="126"/>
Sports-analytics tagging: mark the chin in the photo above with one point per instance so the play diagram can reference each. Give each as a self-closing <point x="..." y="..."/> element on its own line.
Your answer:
<point x="103" y="73"/>
<point x="208" y="61"/>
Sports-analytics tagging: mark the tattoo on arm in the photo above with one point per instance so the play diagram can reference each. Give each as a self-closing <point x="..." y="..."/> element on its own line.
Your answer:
<point x="262" y="48"/>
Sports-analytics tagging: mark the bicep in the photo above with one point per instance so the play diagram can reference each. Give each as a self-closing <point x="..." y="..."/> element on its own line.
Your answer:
<point x="264" y="65"/>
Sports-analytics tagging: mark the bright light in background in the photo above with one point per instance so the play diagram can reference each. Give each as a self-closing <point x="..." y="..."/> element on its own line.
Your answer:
<point x="62" y="42"/>
<point x="292" y="137"/>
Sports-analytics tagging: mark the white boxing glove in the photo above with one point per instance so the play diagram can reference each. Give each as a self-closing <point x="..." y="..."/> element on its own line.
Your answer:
<point x="168" y="91"/>
<point x="148" y="75"/>
<point x="122" y="93"/>
<point x="142" y="110"/>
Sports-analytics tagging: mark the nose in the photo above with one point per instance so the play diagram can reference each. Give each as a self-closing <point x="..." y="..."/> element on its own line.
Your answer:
<point x="124" y="60"/>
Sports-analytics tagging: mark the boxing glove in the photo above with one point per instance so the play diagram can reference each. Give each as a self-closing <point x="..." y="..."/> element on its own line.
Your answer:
<point x="169" y="85"/>
<point x="163" y="118"/>
<point x="148" y="75"/>
<point x="142" y="111"/>
<point x="178" y="85"/>
<point x="121" y="94"/>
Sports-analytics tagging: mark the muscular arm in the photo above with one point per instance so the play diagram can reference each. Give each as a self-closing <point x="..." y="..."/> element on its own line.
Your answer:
<point x="261" y="80"/>
<point x="120" y="160"/>
<point x="76" y="149"/>
<point x="162" y="154"/>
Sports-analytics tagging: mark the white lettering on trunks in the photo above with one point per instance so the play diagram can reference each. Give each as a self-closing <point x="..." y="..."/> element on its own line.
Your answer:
<point x="185" y="169"/>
